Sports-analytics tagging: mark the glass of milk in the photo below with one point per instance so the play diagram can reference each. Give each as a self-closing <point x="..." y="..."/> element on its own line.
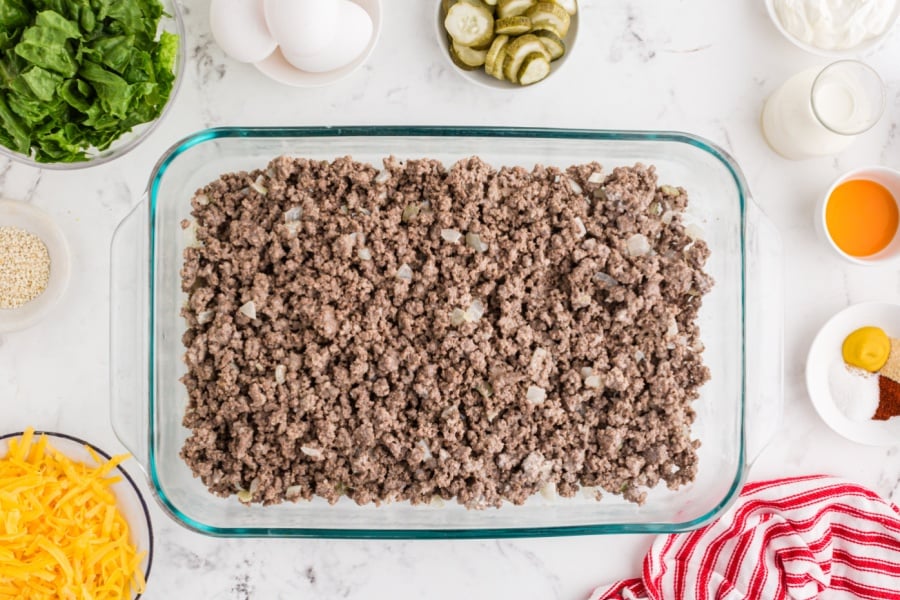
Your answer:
<point x="819" y="112"/>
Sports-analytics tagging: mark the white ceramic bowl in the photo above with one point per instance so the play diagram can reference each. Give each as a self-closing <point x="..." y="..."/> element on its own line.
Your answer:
<point x="31" y="219"/>
<point x="889" y="178"/>
<point x="825" y="354"/>
<point x="276" y="67"/>
<point x="861" y="49"/>
<point x="128" y="499"/>
<point x="479" y="77"/>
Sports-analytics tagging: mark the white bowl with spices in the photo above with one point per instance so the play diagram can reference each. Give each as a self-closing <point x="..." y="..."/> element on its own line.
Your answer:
<point x="34" y="265"/>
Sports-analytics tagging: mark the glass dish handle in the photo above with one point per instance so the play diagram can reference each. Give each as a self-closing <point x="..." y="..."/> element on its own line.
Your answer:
<point x="128" y="328"/>
<point x="764" y="332"/>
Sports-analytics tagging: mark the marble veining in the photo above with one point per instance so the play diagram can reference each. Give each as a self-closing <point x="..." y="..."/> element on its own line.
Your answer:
<point x="636" y="65"/>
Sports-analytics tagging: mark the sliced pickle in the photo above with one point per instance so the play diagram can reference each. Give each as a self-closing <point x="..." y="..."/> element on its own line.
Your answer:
<point x="534" y="68"/>
<point x="468" y="56"/>
<point x="552" y="42"/>
<point x="517" y="50"/>
<point x="512" y="25"/>
<point x="513" y="8"/>
<point x="493" y="62"/>
<point x="570" y="6"/>
<point x="470" y="24"/>
<point x="548" y="14"/>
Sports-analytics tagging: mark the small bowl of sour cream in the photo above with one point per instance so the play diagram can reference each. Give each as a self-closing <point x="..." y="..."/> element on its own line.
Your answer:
<point x="834" y="29"/>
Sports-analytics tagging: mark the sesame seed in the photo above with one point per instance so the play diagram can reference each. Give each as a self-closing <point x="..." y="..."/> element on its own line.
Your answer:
<point x="24" y="267"/>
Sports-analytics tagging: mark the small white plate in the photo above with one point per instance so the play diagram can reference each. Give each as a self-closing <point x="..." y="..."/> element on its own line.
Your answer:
<point x="33" y="220"/>
<point x="276" y="67"/>
<point x="826" y="351"/>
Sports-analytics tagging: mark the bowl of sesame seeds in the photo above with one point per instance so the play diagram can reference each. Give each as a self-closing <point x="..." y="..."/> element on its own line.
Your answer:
<point x="34" y="265"/>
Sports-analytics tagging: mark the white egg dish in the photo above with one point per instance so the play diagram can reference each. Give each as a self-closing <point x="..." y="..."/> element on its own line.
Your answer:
<point x="297" y="42"/>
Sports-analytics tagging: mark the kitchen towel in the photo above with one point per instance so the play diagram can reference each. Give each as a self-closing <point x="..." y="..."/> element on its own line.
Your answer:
<point x="799" y="538"/>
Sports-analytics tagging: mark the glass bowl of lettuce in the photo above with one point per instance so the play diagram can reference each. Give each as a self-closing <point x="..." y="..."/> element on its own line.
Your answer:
<point x="84" y="82"/>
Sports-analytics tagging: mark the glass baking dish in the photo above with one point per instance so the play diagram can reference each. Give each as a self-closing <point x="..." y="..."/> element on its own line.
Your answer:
<point x="736" y="413"/>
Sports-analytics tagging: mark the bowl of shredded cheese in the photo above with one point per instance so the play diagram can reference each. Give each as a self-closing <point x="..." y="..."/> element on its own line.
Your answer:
<point x="72" y="521"/>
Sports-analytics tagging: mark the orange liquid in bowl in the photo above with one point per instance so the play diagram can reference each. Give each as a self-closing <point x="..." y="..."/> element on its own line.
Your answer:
<point x="861" y="217"/>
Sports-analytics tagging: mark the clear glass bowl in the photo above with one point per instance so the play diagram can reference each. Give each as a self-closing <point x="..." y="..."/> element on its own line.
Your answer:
<point x="735" y="412"/>
<point x="128" y="498"/>
<point x="172" y="22"/>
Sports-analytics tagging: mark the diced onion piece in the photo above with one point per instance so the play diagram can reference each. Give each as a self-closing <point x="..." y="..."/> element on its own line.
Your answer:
<point x="586" y="372"/>
<point x="537" y="358"/>
<point x="672" y="331"/>
<point x="248" y="309"/>
<point x="254" y="485"/>
<point x="205" y="317"/>
<point x="606" y="279"/>
<point x="383" y="176"/>
<point x="549" y="491"/>
<point x="581" y="300"/>
<point x="312" y="452"/>
<point x="473" y="241"/>
<point x="639" y="356"/>
<point x="410" y="212"/>
<point x="592" y="381"/>
<point x="668" y="190"/>
<point x="245" y="496"/>
<point x="293" y="491"/>
<point x="404" y="272"/>
<point x="694" y="231"/>
<point x="426" y="451"/>
<point x="485" y="389"/>
<point x="638" y="245"/>
<point x="364" y="254"/>
<point x="293" y="227"/>
<point x="437" y="501"/>
<point x="457" y="317"/>
<point x="536" y="395"/>
<point x="201" y="199"/>
<point x="667" y="217"/>
<point x="475" y="311"/>
<point x="259" y="187"/>
<point x="280" y="374"/>
<point x="450" y="235"/>
<point x="596" y="177"/>
<point x="579" y="224"/>
<point x="575" y="187"/>
<point x="293" y="214"/>
<point x="446" y="414"/>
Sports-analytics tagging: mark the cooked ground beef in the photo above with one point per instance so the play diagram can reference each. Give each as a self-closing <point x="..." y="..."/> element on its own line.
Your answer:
<point x="336" y="346"/>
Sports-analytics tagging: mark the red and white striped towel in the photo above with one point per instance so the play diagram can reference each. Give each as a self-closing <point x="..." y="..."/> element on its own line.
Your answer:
<point x="798" y="538"/>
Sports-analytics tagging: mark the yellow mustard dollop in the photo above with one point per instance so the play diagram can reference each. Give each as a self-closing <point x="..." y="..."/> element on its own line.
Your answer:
<point x="867" y="348"/>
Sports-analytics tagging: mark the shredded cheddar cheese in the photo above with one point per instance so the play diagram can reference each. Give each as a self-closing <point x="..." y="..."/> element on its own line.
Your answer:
<point x="61" y="534"/>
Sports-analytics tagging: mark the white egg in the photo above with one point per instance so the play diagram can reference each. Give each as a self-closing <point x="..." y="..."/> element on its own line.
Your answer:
<point x="352" y="36"/>
<point x="302" y="26"/>
<point x="239" y="27"/>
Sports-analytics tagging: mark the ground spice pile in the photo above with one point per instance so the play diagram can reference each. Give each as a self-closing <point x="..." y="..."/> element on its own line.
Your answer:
<point x="24" y="267"/>
<point x="889" y="385"/>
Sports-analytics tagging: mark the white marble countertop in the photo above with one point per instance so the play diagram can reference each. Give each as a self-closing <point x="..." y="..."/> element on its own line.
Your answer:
<point x="701" y="66"/>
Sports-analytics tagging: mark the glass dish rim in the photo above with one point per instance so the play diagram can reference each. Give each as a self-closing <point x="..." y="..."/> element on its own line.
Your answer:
<point x="120" y="469"/>
<point x="216" y="133"/>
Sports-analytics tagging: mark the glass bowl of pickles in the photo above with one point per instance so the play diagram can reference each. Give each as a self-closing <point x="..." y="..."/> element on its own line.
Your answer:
<point x="506" y="44"/>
